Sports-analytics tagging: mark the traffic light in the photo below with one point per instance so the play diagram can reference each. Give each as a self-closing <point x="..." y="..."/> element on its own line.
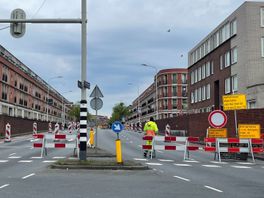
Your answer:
<point x="17" y="30"/>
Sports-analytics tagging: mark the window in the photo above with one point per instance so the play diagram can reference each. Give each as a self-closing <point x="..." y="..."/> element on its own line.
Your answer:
<point x="212" y="67"/>
<point x="199" y="93"/>
<point x="199" y="74"/>
<point x="227" y="86"/>
<point x="227" y="59"/>
<point x="184" y="104"/>
<point x="221" y="62"/>
<point x="184" y="78"/>
<point x="262" y="46"/>
<point x="165" y="104"/>
<point x="4" y="92"/>
<point x="262" y="17"/>
<point x="203" y="71"/>
<point x="203" y="93"/>
<point x="192" y="97"/>
<point x="195" y="76"/>
<point x="208" y="69"/>
<point x="192" y="77"/>
<point x="252" y="104"/>
<point x="174" y="90"/>
<point x="184" y="91"/>
<point x="195" y="95"/>
<point x="233" y="27"/>
<point x="233" y="55"/>
<point x="174" y="78"/>
<point x="234" y="83"/>
<point x="208" y="94"/>
<point x="174" y="103"/>
<point x="165" y="91"/>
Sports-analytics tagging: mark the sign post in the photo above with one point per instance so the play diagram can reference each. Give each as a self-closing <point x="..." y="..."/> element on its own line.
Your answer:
<point x="117" y="127"/>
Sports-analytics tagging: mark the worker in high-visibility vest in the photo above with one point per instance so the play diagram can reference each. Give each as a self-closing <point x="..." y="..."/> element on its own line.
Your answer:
<point x="150" y="129"/>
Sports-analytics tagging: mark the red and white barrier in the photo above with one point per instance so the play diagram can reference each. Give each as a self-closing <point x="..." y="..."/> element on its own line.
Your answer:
<point x="50" y="127"/>
<point x="183" y="144"/>
<point x="70" y="127"/>
<point x="57" y="128"/>
<point x="8" y="133"/>
<point x="167" y="130"/>
<point x="35" y="128"/>
<point x="45" y="141"/>
<point x="218" y="147"/>
<point x="78" y="127"/>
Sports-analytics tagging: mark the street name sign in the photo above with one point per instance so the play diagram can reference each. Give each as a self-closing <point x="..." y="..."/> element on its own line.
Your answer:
<point x="234" y="102"/>
<point x="217" y="119"/>
<point x="249" y="131"/>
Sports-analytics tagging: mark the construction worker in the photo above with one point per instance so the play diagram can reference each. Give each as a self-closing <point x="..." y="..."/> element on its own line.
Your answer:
<point x="150" y="129"/>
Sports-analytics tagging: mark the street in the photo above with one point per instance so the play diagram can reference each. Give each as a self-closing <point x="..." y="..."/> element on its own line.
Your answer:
<point x="24" y="174"/>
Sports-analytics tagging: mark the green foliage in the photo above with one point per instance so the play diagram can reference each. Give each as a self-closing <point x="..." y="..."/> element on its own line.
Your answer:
<point x="74" y="113"/>
<point x="119" y="110"/>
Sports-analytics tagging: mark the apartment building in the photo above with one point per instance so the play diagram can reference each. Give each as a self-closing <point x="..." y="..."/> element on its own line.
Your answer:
<point x="172" y="97"/>
<point x="24" y="94"/>
<point x="229" y="60"/>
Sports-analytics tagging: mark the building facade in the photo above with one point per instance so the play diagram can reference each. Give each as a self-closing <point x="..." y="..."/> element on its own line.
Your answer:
<point x="24" y="94"/>
<point x="229" y="60"/>
<point x="172" y="97"/>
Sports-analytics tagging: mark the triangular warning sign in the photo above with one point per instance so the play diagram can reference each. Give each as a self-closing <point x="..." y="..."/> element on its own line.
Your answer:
<point x="96" y="93"/>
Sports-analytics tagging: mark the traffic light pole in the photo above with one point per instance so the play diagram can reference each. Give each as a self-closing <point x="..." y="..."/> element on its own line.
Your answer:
<point x="83" y="106"/>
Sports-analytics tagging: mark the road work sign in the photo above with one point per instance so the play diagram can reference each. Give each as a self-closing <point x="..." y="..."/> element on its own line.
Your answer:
<point x="234" y="102"/>
<point x="217" y="133"/>
<point x="249" y="131"/>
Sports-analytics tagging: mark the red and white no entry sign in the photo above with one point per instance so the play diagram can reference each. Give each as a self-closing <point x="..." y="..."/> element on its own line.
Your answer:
<point x="217" y="119"/>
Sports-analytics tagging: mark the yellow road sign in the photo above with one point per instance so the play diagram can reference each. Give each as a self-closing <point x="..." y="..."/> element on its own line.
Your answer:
<point x="217" y="133"/>
<point x="234" y="102"/>
<point x="249" y="130"/>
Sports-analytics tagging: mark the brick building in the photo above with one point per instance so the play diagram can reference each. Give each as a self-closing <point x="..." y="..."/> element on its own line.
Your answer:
<point x="172" y="97"/>
<point x="229" y="60"/>
<point x="24" y="93"/>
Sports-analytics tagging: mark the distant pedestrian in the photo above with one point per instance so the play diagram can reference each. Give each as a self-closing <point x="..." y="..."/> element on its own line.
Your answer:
<point x="151" y="129"/>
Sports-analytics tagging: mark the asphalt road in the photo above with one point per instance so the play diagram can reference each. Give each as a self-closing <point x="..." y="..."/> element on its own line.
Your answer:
<point x="24" y="174"/>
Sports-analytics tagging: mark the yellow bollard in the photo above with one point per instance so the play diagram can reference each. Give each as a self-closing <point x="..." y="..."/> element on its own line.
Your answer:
<point x="91" y="137"/>
<point x="118" y="152"/>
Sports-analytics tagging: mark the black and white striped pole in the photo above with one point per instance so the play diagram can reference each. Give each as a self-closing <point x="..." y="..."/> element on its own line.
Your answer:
<point x="83" y="129"/>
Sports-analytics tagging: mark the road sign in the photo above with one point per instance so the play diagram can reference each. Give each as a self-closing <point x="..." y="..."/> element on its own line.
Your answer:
<point x="217" y="133"/>
<point x="117" y="127"/>
<point x="217" y="119"/>
<point x="18" y="30"/>
<point x="96" y="93"/>
<point x="96" y="103"/>
<point x="249" y="131"/>
<point x="234" y="102"/>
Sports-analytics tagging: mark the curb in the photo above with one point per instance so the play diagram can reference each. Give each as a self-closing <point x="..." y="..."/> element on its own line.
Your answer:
<point x="120" y="167"/>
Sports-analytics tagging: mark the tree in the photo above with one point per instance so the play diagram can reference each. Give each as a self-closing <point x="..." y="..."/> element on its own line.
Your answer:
<point x="120" y="110"/>
<point x="74" y="113"/>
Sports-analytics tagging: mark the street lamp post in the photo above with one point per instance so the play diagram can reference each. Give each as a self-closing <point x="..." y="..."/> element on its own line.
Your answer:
<point x="48" y="94"/>
<point x="138" y="103"/>
<point x="156" y="85"/>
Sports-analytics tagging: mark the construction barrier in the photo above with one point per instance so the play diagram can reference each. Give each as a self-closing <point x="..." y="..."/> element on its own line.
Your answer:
<point x="233" y="145"/>
<point x="183" y="144"/>
<point x="35" y="128"/>
<point x="56" y="141"/>
<point x="8" y="133"/>
<point x="57" y="128"/>
<point x="50" y="127"/>
<point x="78" y="127"/>
<point x="70" y="127"/>
<point x="167" y="130"/>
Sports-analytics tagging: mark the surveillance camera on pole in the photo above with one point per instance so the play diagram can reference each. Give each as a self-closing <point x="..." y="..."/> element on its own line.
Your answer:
<point x="18" y="29"/>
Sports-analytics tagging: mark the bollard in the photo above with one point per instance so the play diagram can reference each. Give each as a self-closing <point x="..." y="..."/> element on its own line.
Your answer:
<point x="8" y="133"/>
<point x="70" y="127"/>
<point x="50" y="127"/>
<point x="35" y="127"/>
<point x="92" y="137"/>
<point x="118" y="152"/>
<point x="57" y="128"/>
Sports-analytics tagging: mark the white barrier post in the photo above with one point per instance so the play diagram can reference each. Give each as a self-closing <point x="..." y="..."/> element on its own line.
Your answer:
<point x="70" y="127"/>
<point x="167" y="130"/>
<point x="57" y="128"/>
<point x="35" y="128"/>
<point x="50" y="127"/>
<point x="78" y="127"/>
<point x="8" y="133"/>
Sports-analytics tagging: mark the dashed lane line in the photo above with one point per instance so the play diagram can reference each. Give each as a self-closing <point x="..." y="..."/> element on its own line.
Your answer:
<point x="140" y="159"/>
<point x="12" y="154"/>
<point x="216" y="162"/>
<point x="27" y="176"/>
<point x="191" y="161"/>
<point x="214" y="189"/>
<point x="58" y="157"/>
<point x="245" y="163"/>
<point x="165" y="160"/>
<point x="182" y="178"/>
<point x="3" y="186"/>
<point x="36" y="157"/>
<point x="3" y="161"/>
<point x="14" y="157"/>
<point x="154" y="164"/>
<point x="242" y="167"/>
<point x="24" y="161"/>
<point x="183" y="165"/>
<point x="49" y="161"/>
<point x="211" y="166"/>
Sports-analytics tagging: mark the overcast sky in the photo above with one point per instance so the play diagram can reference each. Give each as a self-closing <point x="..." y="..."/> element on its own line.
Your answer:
<point x="122" y="34"/>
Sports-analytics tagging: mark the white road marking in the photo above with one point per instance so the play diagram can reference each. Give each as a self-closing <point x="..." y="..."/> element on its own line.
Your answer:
<point x="24" y="161"/>
<point x="14" y="157"/>
<point x="73" y="158"/>
<point x="58" y="157"/>
<point x="241" y="167"/>
<point x="182" y="178"/>
<point x="36" y="157"/>
<point x="166" y="160"/>
<point x="216" y="162"/>
<point x="183" y="165"/>
<point x="30" y="175"/>
<point x="245" y="163"/>
<point x="12" y="154"/>
<point x="49" y="161"/>
<point x="3" y="161"/>
<point x="154" y="164"/>
<point x="159" y="151"/>
<point x="191" y="161"/>
<point x="211" y="166"/>
<point x="5" y="185"/>
<point x="140" y="159"/>
<point x="211" y="188"/>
